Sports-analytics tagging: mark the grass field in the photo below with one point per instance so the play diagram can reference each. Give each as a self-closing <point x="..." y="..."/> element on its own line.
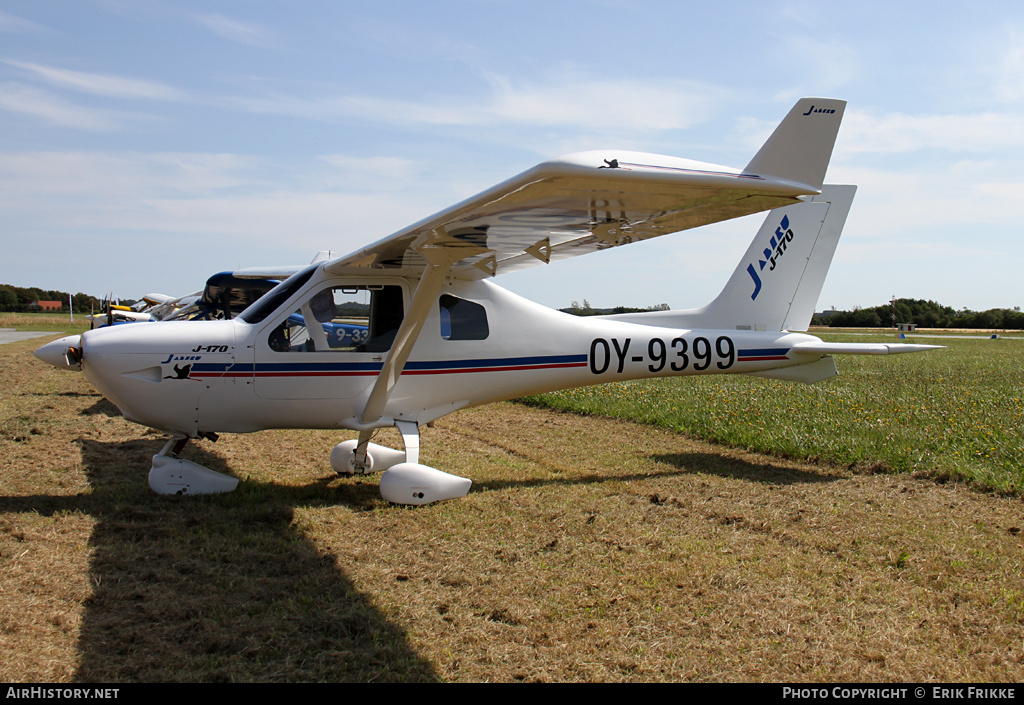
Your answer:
<point x="589" y="549"/>
<point x="953" y="414"/>
<point x="44" y="321"/>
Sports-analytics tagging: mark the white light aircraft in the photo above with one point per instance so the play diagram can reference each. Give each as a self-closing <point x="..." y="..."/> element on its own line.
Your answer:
<point x="441" y="336"/>
<point x="139" y="311"/>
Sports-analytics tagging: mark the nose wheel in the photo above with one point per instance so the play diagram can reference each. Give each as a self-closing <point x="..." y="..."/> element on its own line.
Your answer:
<point x="171" y="474"/>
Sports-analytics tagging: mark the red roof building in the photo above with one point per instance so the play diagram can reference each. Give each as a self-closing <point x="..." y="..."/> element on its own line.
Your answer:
<point x="46" y="305"/>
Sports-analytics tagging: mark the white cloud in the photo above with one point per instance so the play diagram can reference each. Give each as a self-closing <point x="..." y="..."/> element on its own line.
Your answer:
<point x="141" y="222"/>
<point x="566" y="100"/>
<point x="99" y="84"/>
<point x="19" y="98"/>
<point x="17" y="25"/>
<point x="28" y="177"/>
<point x="601" y="103"/>
<point x="236" y="31"/>
<point x="899" y="132"/>
<point x="936" y="203"/>
<point x="193" y="197"/>
<point x="365" y="173"/>
<point x="1010" y="76"/>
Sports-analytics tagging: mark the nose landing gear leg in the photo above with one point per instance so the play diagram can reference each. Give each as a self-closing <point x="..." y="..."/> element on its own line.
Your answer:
<point x="171" y="474"/>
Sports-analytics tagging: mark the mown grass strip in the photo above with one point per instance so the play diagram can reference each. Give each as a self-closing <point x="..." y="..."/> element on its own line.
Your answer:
<point x="955" y="413"/>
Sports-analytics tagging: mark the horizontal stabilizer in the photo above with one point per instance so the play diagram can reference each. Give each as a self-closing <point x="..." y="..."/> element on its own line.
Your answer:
<point x="800" y="148"/>
<point x="809" y="373"/>
<point x="862" y="348"/>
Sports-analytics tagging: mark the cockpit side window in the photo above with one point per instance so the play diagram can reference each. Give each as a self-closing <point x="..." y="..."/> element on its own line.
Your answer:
<point x="462" y="320"/>
<point x="356" y="318"/>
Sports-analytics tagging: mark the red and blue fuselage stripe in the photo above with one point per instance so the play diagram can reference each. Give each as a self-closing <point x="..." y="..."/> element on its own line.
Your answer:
<point x="760" y="354"/>
<point x="427" y="367"/>
<point x="357" y="369"/>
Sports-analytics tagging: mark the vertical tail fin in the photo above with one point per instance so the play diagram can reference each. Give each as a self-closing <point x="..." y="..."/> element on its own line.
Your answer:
<point x="777" y="283"/>
<point x="800" y="148"/>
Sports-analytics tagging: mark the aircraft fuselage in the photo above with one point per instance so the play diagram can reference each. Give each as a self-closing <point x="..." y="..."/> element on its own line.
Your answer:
<point x="237" y="376"/>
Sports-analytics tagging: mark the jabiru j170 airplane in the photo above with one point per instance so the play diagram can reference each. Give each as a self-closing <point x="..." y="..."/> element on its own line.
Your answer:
<point x="441" y="336"/>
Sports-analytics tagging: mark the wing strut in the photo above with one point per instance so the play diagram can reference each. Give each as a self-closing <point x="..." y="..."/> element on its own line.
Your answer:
<point x="439" y="261"/>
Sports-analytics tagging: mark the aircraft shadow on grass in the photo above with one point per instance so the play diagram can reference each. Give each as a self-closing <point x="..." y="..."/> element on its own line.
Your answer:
<point x="683" y="464"/>
<point x="102" y="406"/>
<point x="227" y="588"/>
<point x="207" y="589"/>
<point x="737" y="468"/>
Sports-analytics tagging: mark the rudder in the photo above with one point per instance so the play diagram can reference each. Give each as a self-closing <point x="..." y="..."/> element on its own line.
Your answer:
<point x="778" y="281"/>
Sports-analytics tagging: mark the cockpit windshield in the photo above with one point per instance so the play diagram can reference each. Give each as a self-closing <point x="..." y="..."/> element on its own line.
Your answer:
<point x="269" y="302"/>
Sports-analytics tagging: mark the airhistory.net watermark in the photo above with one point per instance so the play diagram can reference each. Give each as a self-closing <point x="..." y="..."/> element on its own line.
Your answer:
<point x="61" y="693"/>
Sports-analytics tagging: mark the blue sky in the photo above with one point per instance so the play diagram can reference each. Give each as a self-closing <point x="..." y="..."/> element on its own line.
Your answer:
<point x="147" y="144"/>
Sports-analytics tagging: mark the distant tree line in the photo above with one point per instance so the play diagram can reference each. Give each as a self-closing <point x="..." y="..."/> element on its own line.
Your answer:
<point x="926" y="314"/>
<point x="16" y="298"/>
<point x="585" y="309"/>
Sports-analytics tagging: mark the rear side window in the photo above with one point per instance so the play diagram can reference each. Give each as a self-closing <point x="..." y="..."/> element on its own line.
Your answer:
<point x="462" y="320"/>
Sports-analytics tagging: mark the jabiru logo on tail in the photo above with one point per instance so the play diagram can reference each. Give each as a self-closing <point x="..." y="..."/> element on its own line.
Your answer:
<point x="782" y="237"/>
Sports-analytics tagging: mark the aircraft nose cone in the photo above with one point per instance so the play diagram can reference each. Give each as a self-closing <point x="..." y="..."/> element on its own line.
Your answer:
<point x="55" y="352"/>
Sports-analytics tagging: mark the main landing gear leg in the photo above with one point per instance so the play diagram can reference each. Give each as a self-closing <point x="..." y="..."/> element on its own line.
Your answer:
<point x="411" y="438"/>
<point x="412" y="483"/>
<point x="173" y="475"/>
<point x="362" y="462"/>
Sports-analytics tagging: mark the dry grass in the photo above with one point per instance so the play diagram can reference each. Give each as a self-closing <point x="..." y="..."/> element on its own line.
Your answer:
<point x="589" y="550"/>
<point x="45" y="321"/>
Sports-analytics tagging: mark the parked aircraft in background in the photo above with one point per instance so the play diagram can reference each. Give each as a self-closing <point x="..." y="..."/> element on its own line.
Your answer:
<point x="115" y="314"/>
<point x="225" y="295"/>
<point x="441" y="336"/>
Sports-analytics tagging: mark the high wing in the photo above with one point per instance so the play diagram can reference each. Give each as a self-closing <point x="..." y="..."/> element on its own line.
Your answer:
<point x="281" y="272"/>
<point x="596" y="200"/>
